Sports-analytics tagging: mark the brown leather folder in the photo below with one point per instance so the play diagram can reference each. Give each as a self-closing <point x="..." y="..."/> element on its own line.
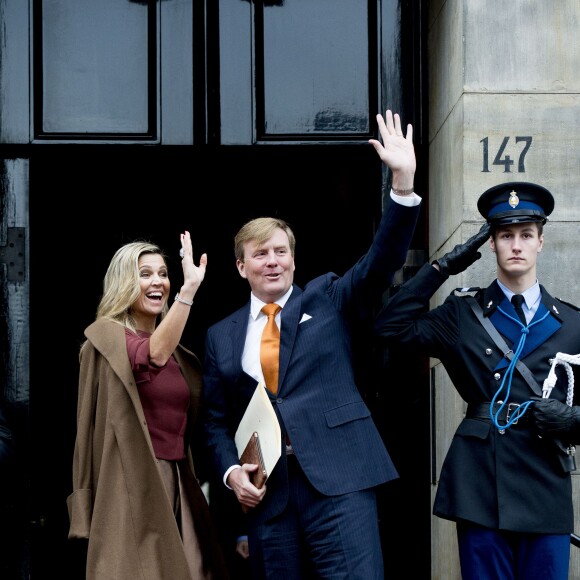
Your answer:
<point x="253" y="454"/>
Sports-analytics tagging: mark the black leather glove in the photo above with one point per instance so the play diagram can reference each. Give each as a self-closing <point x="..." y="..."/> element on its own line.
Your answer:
<point x="463" y="255"/>
<point x="555" y="418"/>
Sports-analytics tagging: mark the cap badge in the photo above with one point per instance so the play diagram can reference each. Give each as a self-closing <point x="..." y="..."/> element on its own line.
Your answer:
<point x="514" y="199"/>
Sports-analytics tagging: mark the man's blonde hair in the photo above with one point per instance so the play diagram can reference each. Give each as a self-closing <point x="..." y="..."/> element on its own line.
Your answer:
<point x="260" y="230"/>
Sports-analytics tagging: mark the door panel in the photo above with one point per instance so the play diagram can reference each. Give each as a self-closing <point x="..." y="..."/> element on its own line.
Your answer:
<point x="305" y="71"/>
<point x="313" y="69"/>
<point x="95" y="69"/>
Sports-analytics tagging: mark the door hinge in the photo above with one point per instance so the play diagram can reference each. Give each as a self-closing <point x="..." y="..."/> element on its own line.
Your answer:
<point x="12" y="254"/>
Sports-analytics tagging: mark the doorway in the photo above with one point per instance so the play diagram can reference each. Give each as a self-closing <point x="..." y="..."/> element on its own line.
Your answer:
<point x="330" y="195"/>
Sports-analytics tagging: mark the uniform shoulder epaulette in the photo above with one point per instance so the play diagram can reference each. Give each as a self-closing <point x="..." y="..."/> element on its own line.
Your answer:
<point x="471" y="291"/>
<point x="577" y="308"/>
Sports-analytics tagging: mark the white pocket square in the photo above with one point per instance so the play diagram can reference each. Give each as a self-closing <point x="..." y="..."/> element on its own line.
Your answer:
<point x="304" y="318"/>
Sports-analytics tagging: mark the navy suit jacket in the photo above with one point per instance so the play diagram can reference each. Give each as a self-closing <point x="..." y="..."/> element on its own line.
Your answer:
<point x="318" y="403"/>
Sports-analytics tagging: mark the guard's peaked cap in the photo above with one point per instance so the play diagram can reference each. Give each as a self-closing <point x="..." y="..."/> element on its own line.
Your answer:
<point x="516" y="202"/>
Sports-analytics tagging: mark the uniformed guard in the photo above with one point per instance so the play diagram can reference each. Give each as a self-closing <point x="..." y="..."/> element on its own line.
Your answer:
<point x="505" y="480"/>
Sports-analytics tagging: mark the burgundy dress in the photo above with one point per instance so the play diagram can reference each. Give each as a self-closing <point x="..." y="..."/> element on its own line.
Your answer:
<point x="165" y="398"/>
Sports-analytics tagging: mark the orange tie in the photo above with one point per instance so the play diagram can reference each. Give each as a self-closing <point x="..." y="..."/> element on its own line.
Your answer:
<point x="270" y="348"/>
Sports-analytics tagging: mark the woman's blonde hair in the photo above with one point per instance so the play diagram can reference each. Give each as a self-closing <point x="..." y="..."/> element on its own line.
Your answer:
<point x="121" y="284"/>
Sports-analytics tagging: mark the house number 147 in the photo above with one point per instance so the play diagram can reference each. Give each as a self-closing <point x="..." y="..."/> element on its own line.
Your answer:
<point x="506" y="160"/>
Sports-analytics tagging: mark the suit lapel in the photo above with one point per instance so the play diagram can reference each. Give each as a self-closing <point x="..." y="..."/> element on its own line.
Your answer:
<point x="290" y="319"/>
<point x="237" y="335"/>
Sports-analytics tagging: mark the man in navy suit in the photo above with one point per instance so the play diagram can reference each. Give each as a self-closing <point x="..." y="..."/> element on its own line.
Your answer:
<point x="317" y="514"/>
<point x="505" y="480"/>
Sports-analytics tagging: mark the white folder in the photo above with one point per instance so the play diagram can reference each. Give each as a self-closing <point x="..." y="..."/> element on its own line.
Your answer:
<point x="260" y="417"/>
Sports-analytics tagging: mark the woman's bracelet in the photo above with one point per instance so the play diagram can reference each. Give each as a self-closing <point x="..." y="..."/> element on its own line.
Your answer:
<point x="178" y="299"/>
<point x="403" y="191"/>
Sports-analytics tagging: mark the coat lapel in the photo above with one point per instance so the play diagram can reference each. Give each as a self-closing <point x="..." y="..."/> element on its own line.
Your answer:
<point x="108" y="338"/>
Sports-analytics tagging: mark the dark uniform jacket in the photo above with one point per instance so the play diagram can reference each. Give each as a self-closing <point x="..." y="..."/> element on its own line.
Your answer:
<point x="512" y="480"/>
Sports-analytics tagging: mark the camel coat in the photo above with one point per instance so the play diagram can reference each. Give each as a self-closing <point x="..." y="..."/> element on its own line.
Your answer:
<point x="127" y="515"/>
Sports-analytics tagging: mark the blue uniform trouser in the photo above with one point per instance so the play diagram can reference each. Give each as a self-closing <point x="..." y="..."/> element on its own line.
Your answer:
<point x="486" y="554"/>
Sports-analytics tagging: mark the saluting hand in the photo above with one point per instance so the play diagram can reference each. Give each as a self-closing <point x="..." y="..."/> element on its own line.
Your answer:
<point x="463" y="255"/>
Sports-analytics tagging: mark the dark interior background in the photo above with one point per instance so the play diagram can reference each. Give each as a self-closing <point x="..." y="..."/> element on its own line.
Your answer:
<point x="87" y="201"/>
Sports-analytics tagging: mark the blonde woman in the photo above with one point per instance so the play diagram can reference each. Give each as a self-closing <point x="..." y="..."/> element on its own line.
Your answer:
<point x="135" y="494"/>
